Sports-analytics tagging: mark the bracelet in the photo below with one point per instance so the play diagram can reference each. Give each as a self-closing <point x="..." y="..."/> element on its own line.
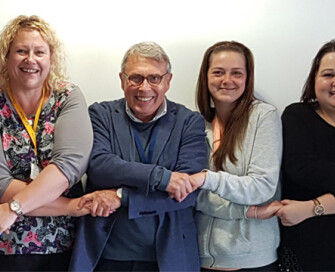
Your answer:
<point x="255" y="212"/>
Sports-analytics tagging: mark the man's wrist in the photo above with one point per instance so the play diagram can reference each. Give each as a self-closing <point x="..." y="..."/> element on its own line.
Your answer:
<point x="119" y="193"/>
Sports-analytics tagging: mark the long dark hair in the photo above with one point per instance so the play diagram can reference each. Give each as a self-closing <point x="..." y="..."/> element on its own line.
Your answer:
<point x="308" y="93"/>
<point x="236" y="126"/>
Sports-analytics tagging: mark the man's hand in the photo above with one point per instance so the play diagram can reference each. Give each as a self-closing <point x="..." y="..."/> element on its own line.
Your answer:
<point x="180" y="186"/>
<point x="100" y="203"/>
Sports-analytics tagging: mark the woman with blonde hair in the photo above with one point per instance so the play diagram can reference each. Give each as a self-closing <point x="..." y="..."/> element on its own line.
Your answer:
<point x="42" y="160"/>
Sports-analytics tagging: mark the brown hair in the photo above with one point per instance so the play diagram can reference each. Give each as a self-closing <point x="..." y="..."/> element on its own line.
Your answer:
<point x="237" y="123"/>
<point x="308" y="93"/>
<point x="57" y="71"/>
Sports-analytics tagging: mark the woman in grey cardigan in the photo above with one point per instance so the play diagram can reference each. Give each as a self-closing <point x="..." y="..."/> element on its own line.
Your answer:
<point x="245" y="142"/>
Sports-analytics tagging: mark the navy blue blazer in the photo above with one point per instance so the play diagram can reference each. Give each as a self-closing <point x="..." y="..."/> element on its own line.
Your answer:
<point x="180" y="146"/>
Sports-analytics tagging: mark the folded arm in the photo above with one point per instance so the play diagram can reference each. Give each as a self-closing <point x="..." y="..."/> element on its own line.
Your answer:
<point x="261" y="180"/>
<point x="136" y="177"/>
<point x="66" y="167"/>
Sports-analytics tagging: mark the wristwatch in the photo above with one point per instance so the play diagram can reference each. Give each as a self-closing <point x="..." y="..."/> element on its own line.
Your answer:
<point x="16" y="207"/>
<point x="318" y="209"/>
<point x="119" y="193"/>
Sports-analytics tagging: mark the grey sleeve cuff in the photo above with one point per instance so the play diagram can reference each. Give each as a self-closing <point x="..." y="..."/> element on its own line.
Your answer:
<point x="160" y="178"/>
<point x="212" y="181"/>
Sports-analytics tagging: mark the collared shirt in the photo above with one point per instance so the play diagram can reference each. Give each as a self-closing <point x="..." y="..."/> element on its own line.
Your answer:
<point x="160" y="112"/>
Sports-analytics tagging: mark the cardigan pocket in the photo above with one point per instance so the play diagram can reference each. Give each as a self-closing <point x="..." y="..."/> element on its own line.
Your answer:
<point x="229" y="237"/>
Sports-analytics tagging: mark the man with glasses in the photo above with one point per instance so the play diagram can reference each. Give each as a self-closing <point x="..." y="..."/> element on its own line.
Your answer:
<point x="145" y="147"/>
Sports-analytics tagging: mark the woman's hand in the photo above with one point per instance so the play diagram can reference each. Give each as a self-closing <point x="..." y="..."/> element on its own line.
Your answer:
<point x="100" y="203"/>
<point x="73" y="208"/>
<point x="7" y="218"/>
<point x="198" y="179"/>
<point x="181" y="184"/>
<point x="264" y="212"/>
<point x="294" y="212"/>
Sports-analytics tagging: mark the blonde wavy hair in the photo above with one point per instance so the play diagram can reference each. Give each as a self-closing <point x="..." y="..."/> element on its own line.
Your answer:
<point x="57" y="71"/>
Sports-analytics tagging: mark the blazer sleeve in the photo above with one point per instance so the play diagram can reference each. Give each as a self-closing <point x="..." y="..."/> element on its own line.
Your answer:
<point x="107" y="169"/>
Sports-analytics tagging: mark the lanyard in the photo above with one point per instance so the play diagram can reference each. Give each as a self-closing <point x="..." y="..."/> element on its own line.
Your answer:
<point x="140" y="148"/>
<point x="31" y="130"/>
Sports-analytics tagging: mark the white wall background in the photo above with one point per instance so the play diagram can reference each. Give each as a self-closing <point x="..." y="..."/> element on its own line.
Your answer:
<point x="284" y="36"/>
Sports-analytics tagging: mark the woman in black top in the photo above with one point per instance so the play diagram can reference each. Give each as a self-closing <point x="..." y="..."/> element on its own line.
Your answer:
<point x="308" y="220"/>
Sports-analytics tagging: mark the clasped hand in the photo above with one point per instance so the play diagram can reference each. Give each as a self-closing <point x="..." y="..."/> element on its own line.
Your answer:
<point x="289" y="212"/>
<point x="100" y="203"/>
<point x="7" y="218"/>
<point x="181" y="185"/>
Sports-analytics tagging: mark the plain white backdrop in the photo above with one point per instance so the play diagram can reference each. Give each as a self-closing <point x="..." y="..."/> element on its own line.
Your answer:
<point x="284" y="36"/>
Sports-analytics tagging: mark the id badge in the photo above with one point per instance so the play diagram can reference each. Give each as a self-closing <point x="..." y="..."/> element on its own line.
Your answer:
<point x="35" y="170"/>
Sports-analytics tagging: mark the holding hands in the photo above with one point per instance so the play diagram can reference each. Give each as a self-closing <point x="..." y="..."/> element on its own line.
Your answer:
<point x="264" y="212"/>
<point x="100" y="203"/>
<point x="294" y="212"/>
<point x="181" y="184"/>
<point x="290" y="212"/>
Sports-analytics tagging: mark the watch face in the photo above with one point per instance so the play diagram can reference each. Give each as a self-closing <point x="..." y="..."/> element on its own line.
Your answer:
<point x="15" y="206"/>
<point x="319" y="210"/>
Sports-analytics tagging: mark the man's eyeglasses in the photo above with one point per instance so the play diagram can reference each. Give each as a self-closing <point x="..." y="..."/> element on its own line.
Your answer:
<point x="137" y="80"/>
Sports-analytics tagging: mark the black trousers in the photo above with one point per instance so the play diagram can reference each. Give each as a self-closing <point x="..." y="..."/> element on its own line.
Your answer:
<point x="110" y="265"/>
<point x="36" y="262"/>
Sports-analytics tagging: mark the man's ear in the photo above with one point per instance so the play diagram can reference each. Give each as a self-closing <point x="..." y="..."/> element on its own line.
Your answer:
<point x="121" y="75"/>
<point x="169" y="80"/>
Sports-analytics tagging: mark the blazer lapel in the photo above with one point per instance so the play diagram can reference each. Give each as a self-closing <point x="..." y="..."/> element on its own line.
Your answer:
<point x="165" y="127"/>
<point x="123" y="134"/>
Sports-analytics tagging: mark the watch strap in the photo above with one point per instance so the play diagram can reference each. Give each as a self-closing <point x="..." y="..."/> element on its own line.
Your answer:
<point x="316" y="202"/>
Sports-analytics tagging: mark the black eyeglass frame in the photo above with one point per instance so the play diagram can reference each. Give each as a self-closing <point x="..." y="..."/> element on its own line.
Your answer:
<point x="143" y="78"/>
